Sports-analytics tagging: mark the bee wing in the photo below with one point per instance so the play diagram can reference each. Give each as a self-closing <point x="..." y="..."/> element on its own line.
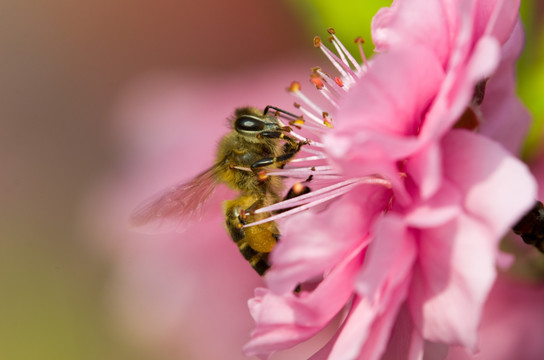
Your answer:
<point x="175" y="208"/>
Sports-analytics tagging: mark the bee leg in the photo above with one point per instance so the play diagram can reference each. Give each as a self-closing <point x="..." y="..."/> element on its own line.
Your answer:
<point x="275" y="135"/>
<point x="271" y="160"/>
<point x="233" y="222"/>
<point x="248" y="211"/>
<point x="281" y="160"/>
<point x="293" y="143"/>
<point x="290" y="149"/>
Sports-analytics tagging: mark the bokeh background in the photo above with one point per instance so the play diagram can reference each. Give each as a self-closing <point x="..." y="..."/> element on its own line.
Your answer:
<point x="102" y="101"/>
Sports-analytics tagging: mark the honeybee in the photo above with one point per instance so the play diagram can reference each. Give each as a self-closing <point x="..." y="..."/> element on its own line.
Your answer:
<point x="257" y="142"/>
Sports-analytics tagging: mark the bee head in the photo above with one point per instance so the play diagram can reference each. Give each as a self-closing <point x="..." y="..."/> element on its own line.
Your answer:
<point x="249" y="125"/>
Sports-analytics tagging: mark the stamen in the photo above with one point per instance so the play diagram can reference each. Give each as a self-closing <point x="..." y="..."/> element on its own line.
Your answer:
<point x="312" y="151"/>
<point x="298" y="122"/>
<point x="325" y="91"/>
<point x="333" y="84"/>
<point x="316" y="144"/>
<point x="342" y="67"/>
<point x="328" y="193"/>
<point x="342" y="50"/>
<point x="317" y="41"/>
<point x="303" y="175"/>
<point x="327" y="120"/>
<point x="336" y="62"/>
<point x="297" y="136"/>
<point x="316" y="80"/>
<point x="311" y="115"/>
<point x="295" y="89"/>
<point x="262" y="175"/>
<point x="324" y="86"/>
<point x="339" y="51"/>
<point x="304" y="171"/>
<point x="309" y="158"/>
<point x="370" y="180"/>
<point x="299" y="188"/>
<point x="360" y="41"/>
<point x="314" y="128"/>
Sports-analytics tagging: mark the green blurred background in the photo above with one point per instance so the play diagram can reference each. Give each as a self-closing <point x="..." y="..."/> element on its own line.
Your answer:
<point x="62" y="65"/>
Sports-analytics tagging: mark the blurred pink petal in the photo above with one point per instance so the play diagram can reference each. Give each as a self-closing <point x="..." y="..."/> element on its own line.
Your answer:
<point x="512" y="323"/>
<point x="496" y="18"/>
<point x="500" y="104"/>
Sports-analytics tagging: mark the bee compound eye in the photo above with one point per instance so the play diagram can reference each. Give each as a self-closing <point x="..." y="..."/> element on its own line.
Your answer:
<point x="246" y="123"/>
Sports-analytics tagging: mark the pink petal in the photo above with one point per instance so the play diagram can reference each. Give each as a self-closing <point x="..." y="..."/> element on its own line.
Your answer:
<point x="366" y="330"/>
<point x="496" y="18"/>
<point x="313" y="243"/>
<point x="391" y="96"/>
<point x="456" y="264"/>
<point x="382" y="285"/>
<point x="381" y="116"/>
<point x="425" y="168"/>
<point x="285" y="320"/>
<point x="413" y="21"/>
<point x="405" y="341"/>
<point x="453" y="274"/>
<point x="366" y="153"/>
<point x="498" y="188"/>
<point x="443" y="207"/>
<point x="388" y="259"/>
<point x="506" y="119"/>
<point x="458" y="87"/>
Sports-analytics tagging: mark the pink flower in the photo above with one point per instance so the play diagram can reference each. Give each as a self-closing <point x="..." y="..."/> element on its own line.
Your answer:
<point x="409" y="251"/>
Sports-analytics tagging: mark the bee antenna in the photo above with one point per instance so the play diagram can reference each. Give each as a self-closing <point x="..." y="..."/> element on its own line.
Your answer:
<point x="279" y="112"/>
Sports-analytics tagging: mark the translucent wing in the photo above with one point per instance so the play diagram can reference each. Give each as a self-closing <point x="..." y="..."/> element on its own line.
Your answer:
<point x="176" y="207"/>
